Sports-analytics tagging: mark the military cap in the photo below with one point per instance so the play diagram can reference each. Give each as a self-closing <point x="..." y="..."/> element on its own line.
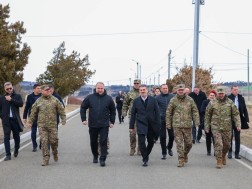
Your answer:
<point x="44" y="87"/>
<point x="180" y="86"/>
<point x="221" y="89"/>
<point x="137" y="81"/>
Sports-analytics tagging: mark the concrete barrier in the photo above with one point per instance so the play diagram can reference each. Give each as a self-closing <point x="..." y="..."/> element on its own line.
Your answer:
<point x="27" y="136"/>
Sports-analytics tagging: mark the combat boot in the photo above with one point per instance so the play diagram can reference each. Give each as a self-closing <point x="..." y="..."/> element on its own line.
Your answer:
<point x="186" y="158"/>
<point x="219" y="164"/>
<point x="45" y="162"/>
<point x="132" y="151"/>
<point x="224" y="160"/>
<point x="181" y="163"/>
<point x="55" y="157"/>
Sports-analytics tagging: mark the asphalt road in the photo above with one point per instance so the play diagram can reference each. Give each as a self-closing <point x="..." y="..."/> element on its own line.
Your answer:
<point x="76" y="170"/>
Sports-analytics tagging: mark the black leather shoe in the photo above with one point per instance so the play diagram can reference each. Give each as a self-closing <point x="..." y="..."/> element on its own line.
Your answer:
<point x="145" y="164"/>
<point x="95" y="160"/>
<point x="34" y="149"/>
<point x="102" y="163"/>
<point x="163" y="157"/>
<point x="229" y="155"/>
<point x="209" y="153"/>
<point x="197" y="141"/>
<point x="170" y="152"/>
<point x="237" y="156"/>
<point x="193" y="141"/>
<point x="16" y="153"/>
<point x="7" y="158"/>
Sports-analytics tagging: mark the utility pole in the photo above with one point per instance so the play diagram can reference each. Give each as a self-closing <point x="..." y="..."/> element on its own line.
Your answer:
<point x="197" y="4"/>
<point x="137" y="71"/>
<point x="169" y="64"/>
<point x="140" y="73"/>
<point x="248" y="75"/>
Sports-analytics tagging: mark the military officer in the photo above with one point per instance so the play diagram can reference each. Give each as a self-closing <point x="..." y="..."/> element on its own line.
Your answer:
<point x="180" y="113"/>
<point x="45" y="111"/>
<point x="218" y="116"/>
<point x="127" y="106"/>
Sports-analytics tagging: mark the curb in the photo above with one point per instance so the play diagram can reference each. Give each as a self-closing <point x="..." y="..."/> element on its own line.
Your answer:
<point x="27" y="136"/>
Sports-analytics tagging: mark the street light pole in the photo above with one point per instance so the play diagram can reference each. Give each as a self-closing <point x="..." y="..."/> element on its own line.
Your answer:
<point x="196" y="37"/>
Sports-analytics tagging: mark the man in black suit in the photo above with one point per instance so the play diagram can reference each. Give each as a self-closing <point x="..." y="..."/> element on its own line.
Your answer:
<point x="9" y="113"/>
<point x="241" y="106"/>
<point x="145" y="113"/>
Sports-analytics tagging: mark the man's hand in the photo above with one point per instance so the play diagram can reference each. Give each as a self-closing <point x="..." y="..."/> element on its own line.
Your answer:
<point x="132" y="130"/>
<point x="84" y="122"/>
<point x="239" y="129"/>
<point x="25" y="120"/>
<point x="8" y="98"/>
<point x="63" y="123"/>
<point x="111" y="125"/>
<point x="206" y="130"/>
<point x="28" y="124"/>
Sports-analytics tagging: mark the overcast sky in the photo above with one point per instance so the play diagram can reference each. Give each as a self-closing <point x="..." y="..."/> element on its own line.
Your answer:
<point x="115" y="32"/>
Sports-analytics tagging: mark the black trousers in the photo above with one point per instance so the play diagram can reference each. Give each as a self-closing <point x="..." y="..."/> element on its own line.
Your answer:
<point x="163" y="137"/>
<point x="14" y="127"/>
<point x="236" y="135"/>
<point x="209" y="139"/>
<point x="146" y="150"/>
<point x="103" y="132"/>
<point x="119" y="111"/>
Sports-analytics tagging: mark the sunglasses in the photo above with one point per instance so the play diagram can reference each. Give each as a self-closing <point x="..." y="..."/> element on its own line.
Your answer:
<point x="7" y="89"/>
<point x="136" y="83"/>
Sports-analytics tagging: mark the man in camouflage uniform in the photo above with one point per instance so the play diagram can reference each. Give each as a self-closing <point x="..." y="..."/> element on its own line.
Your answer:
<point x="45" y="111"/>
<point x="218" y="117"/>
<point x="127" y="106"/>
<point x="180" y="113"/>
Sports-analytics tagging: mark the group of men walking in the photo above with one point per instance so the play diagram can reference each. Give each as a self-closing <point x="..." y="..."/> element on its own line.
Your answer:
<point x="149" y="117"/>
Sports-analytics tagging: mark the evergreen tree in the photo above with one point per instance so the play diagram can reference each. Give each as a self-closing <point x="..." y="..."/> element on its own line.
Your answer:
<point x="66" y="72"/>
<point x="13" y="53"/>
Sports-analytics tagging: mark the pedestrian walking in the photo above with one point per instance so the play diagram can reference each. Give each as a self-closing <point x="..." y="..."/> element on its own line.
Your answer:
<point x="101" y="117"/>
<point x="31" y="98"/>
<point x="239" y="101"/>
<point x="10" y="103"/>
<point x="44" y="111"/>
<point x="219" y="115"/>
<point x="127" y="106"/>
<point x="163" y="101"/>
<point x="209" y="134"/>
<point x="180" y="113"/>
<point x="145" y="113"/>
<point x="119" y="105"/>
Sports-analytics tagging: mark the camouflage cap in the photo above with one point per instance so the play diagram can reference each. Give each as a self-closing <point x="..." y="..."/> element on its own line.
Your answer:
<point x="221" y="89"/>
<point x="180" y="86"/>
<point x="137" y="81"/>
<point x="44" y="87"/>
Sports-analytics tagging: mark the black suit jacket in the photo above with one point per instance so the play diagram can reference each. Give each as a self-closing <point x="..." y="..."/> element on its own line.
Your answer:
<point x="145" y="114"/>
<point x="242" y="109"/>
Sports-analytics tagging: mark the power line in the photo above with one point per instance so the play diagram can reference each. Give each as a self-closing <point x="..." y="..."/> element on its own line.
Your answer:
<point x="224" y="32"/>
<point x="105" y="34"/>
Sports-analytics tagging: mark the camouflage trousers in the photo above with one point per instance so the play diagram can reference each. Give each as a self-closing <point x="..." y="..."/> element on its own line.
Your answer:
<point x="222" y="143"/>
<point x="133" y="140"/>
<point x="183" y="139"/>
<point x="48" y="136"/>
<point x="99" y="145"/>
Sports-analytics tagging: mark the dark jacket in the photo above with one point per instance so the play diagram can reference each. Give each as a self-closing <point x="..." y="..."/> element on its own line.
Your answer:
<point x="145" y="114"/>
<point x="242" y="109"/>
<point x="101" y="110"/>
<point x="119" y="101"/>
<point x="31" y="98"/>
<point x="15" y="103"/>
<point x="163" y="101"/>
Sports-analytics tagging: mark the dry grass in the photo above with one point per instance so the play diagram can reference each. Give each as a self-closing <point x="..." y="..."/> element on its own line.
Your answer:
<point x="68" y="109"/>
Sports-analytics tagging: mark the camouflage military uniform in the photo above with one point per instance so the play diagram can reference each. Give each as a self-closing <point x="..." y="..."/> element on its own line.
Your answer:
<point x="45" y="109"/>
<point x="179" y="115"/>
<point x="218" y="117"/>
<point x="127" y="105"/>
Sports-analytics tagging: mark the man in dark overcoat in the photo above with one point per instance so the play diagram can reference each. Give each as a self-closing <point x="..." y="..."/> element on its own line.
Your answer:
<point x="145" y="112"/>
